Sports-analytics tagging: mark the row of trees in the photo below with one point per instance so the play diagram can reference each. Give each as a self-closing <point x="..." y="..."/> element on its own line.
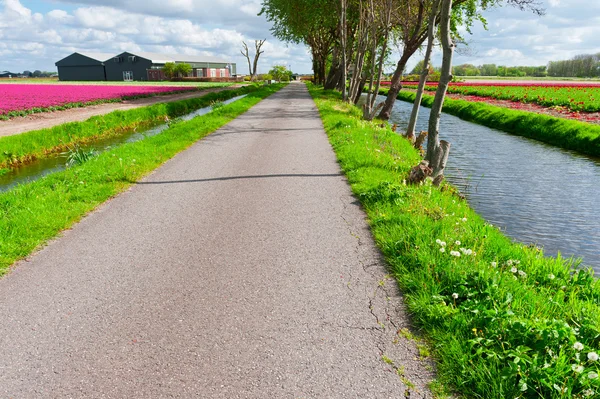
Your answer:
<point x="350" y="41"/>
<point x="581" y="66"/>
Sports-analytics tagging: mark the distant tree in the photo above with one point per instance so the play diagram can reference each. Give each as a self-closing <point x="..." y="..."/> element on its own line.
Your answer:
<point x="169" y="69"/>
<point x="182" y="70"/>
<point x="466" y="70"/>
<point x="489" y="70"/>
<point x="419" y="68"/>
<point x="280" y="72"/>
<point x="37" y="73"/>
<point x="27" y="73"/>
<point x="252" y="67"/>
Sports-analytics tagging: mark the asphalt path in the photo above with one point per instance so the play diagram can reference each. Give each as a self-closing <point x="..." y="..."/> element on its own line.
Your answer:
<point x="242" y="268"/>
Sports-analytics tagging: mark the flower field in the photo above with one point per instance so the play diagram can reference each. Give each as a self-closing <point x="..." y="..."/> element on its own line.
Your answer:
<point x="22" y="99"/>
<point x="575" y="96"/>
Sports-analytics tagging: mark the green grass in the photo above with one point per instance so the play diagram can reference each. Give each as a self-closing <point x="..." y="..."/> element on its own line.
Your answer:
<point x="26" y="147"/>
<point x="33" y="213"/>
<point x="503" y="320"/>
<point x="572" y="135"/>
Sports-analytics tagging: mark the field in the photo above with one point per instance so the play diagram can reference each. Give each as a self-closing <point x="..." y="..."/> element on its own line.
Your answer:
<point x="577" y="97"/>
<point x="23" y="99"/>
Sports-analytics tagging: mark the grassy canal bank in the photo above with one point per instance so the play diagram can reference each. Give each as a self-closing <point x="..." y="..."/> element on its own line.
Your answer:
<point x="572" y="135"/>
<point x="27" y="147"/>
<point x="503" y="320"/>
<point x="33" y="213"/>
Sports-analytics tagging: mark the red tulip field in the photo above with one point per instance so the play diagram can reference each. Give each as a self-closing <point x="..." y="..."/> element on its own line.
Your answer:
<point x="22" y="99"/>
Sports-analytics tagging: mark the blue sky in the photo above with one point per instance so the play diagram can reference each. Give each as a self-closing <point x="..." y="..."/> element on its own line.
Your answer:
<point x="34" y="34"/>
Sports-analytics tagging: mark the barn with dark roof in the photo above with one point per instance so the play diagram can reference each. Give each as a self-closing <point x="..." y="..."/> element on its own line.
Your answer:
<point x="140" y="66"/>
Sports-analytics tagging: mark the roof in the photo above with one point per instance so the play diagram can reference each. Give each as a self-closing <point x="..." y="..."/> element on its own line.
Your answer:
<point x="96" y="56"/>
<point x="158" y="58"/>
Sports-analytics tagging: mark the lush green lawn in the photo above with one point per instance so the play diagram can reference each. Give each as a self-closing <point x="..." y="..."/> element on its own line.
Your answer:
<point x="504" y="321"/>
<point x="33" y="213"/>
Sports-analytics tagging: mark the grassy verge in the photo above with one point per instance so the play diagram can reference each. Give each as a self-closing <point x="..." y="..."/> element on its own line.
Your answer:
<point x="504" y="321"/>
<point x="572" y="135"/>
<point x="33" y="213"/>
<point x="26" y="147"/>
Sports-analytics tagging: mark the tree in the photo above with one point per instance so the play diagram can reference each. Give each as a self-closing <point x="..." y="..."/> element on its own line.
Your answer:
<point x="280" y="72"/>
<point x="27" y="73"/>
<point x="169" y="69"/>
<point x="489" y="70"/>
<point x="425" y="70"/>
<point x="246" y="53"/>
<point x="182" y="70"/>
<point x="37" y="73"/>
<point x="413" y="31"/>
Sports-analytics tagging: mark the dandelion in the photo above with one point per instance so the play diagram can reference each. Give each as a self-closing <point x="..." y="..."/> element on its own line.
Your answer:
<point x="513" y="269"/>
<point x="578" y="368"/>
<point x="457" y="242"/>
<point x="592" y="375"/>
<point x="551" y="276"/>
<point x="442" y="249"/>
<point x="455" y="253"/>
<point x="592" y="356"/>
<point x="455" y="295"/>
<point x="578" y="346"/>
<point x="494" y="264"/>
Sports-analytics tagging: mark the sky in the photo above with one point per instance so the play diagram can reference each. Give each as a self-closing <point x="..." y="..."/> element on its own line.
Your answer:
<point x="34" y="34"/>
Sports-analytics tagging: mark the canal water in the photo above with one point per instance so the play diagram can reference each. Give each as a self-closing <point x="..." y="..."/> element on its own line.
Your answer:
<point x="536" y="193"/>
<point x="45" y="166"/>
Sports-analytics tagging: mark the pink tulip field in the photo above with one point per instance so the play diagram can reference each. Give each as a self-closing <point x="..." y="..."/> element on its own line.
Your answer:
<point x="21" y="99"/>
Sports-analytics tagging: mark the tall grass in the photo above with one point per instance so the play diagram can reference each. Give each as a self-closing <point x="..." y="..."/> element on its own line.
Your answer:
<point x="26" y="147"/>
<point x="33" y="213"/>
<point x="504" y="320"/>
<point x="572" y="135"/>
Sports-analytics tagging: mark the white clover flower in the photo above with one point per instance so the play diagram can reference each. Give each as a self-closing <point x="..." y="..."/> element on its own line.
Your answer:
<point x="455" y="253"/>
<point x="517" y="262"/>
<point x="557" y="387"/>
<point x="592" y="356"/>
<point x="494" y="264"/>
<point x="442" y="249"/>
<point x="588" y="392"/>
<point x="443" y="243"/>
<point x="578" y="368"/>
<point x="463" y="250"/>
<point x="457" y="242"/>
<point x="469" y="252"/>
<point x="464" y="219"/>
<point x="578" y="346"/>
<point x="522" y="273"/>
<point x="438" y="241"/>
<point x="513" y="269"/>
<point x="509" y="262"/>
<point x="455" y="295"/>
<point x="592" y="375"/>
<point x="551" y="276"/>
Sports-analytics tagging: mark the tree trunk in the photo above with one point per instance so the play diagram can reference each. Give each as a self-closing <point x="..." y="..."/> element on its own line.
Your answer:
<point x="396" y="86"/>
<point x="437" y="154"/>
<point x="334" y="72"/>
<point x="410" y="131"/>
<point x="344" y="48"/>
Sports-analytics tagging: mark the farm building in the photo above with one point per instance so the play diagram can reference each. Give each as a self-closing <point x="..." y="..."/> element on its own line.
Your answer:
<point x="129" y="66"/>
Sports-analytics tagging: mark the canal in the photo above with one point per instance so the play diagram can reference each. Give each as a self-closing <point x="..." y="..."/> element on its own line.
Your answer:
<point x="536" y="193"/>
